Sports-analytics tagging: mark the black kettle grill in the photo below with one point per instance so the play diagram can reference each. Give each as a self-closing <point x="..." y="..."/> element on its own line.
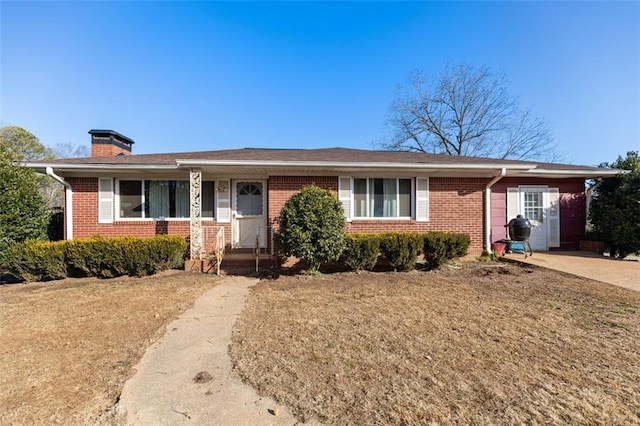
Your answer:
<point x="520" y="230"/>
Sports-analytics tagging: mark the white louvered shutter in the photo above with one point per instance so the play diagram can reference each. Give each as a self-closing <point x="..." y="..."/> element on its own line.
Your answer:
<point x="513" y="201"/>
<point x="105" y="200"/>
<point x="344" y="194"/>
<point x="422" y="199"/>
<point x="223" y="204"/>
<point x="553" y="238"/>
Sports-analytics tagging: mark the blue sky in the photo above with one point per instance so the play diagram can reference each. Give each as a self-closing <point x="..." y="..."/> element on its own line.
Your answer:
<point x="190" y="76"/>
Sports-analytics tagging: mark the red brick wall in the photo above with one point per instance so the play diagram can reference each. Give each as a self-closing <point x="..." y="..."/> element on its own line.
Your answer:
<point x="107" y="150"/>
<point x="573" y="210"/>
<point x="85" y="218"/>
<point x="455" y="204"/>
<point x="281" y="188"/>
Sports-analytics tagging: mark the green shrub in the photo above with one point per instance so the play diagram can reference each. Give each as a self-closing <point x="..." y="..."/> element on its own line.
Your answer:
<point x="440" y="247"/>
<point x="401" y="249"/>
<point x="90" y="257"/>
<point x="361" y="252"/>
<point x="312" y="227"/>
<point x="113" y="257"/>
<point x="95" y="257"/>
<point x="34" y="260"/>
<point x="23" y="212"/>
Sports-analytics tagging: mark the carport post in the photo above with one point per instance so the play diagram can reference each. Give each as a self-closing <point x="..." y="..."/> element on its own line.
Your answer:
<point x="195" y="228"/>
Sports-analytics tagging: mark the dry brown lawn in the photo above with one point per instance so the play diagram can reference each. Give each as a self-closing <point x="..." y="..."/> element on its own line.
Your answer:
<point x="67" y="347"/>
<point x="477" y="345"/>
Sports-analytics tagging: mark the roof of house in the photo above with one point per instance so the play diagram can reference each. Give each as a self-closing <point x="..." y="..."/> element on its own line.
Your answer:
<point x="261" y="160"/>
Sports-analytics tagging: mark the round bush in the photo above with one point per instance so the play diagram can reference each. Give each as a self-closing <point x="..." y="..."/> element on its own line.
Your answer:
<point x="312" y="227"/>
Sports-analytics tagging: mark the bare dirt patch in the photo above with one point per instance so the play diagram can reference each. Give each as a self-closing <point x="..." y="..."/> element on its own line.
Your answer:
<point x="68" y="346"/>
<point x="477" y="345"/>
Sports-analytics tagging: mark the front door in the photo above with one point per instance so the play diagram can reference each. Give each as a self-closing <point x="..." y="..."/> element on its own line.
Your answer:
<point x="533" y="203"/>
<point x="249" y="214"/>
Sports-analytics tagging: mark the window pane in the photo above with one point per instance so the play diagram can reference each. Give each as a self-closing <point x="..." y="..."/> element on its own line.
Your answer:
<point x="156" y="195"/>
<point x="404" y="198"/>
<point x="130" y="198"/>
<point x="383" y="197"/>
<point x="390" y="203"/>
<point x="249" y="199"/>
<point x="181" y="199"/>
<point x="376" y="197"/>
<point x="207" y="199"/>
<point x="360" y="197"/>
<point x="533" y="206"/>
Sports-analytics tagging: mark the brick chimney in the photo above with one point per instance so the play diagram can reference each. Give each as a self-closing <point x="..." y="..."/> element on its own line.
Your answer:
<point x="107" y="143"/>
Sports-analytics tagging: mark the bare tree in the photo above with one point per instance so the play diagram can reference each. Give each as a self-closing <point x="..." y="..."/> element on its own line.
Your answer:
<point x="468" y="111"/>
<point x="52" y="191"/>
<point x="70" y="150"/>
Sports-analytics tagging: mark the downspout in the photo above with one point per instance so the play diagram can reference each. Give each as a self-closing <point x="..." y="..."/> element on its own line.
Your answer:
<point x="68" y="209"/>
<point x="487" y="209"/>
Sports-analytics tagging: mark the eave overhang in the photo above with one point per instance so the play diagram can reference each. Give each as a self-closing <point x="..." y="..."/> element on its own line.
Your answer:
<point x="274" y="168"/>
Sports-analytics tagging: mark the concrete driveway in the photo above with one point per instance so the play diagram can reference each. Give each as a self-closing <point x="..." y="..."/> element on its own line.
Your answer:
<point x="623" y="273"/>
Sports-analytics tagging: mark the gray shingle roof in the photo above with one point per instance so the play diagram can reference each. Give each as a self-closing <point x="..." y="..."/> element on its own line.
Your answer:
<point x="321" y="155"/>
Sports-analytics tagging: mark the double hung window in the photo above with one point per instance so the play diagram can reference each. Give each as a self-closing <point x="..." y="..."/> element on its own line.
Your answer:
<point x="162" y="199"/>
<point x="382" y="197"/>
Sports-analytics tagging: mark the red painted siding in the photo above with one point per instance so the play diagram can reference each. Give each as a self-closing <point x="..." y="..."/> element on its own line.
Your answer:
<point x="573" y="210"/>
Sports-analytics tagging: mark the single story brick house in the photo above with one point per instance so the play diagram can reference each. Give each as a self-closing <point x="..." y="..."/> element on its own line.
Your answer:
<point x="114" y="193"/>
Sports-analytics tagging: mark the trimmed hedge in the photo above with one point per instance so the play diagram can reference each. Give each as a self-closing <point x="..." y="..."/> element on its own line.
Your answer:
<point x="440" y="247"/>
<point x="362" y="251"/>
<point x="95" y="257"/>
<point x="401" y="249"/>
<point x="36" y="260"/>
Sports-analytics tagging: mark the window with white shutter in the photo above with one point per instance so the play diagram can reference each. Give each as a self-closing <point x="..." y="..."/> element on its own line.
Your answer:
<point x="105" y="200"/>
<point x="513" y="203"/>
<point x="223" y="201"/>
<point x="553" y="239"/>
<point x="344" y="194"/>
<point x="422" y="199"/>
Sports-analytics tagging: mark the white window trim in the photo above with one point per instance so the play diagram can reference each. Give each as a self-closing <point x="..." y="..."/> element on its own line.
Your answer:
<point x="119" y="218"/>
<point x="377" y="218"/>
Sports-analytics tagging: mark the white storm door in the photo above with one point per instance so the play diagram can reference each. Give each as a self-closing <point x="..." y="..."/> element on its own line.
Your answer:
<point x="249" y="214"/>
<point x="533" y="206"/>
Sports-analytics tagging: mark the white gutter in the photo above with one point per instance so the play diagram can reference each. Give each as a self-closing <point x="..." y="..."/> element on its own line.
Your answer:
<point x="577" y="173"/>
<point x="89" y="166"/>
<point x="487" y="210"/>
<point x="68" y="210"/>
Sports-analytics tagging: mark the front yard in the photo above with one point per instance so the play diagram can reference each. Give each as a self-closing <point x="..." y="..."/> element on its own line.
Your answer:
<point x="476" y="345"/>
<point x="66" y="347"/>
<point x="483" y="344"/>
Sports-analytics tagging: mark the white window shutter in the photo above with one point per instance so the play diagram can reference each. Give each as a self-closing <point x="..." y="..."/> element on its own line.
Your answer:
<point x="344" y="194"/>
<point x="223" y="205"/>
<point x="422" y="199"/>
<point x="513" y="201"/>
<point x="553" y="238"/>
<point x="105" y="200"/>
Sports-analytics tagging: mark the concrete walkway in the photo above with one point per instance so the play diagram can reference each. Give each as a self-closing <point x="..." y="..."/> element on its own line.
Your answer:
<point x="623" y="273"/>
<point x="163" y="391"/>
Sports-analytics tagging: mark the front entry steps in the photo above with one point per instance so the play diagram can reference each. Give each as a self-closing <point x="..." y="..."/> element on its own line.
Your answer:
<point x="233" y="260"/>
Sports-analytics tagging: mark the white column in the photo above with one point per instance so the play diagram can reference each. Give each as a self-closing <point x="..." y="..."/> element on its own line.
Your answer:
<point x="195" y="230"/>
